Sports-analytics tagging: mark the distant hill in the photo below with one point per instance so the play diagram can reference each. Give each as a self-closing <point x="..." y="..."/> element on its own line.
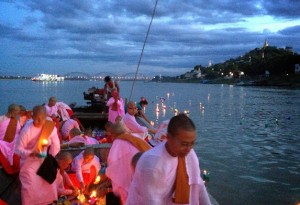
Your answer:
<point x="276" y="61"/>
<point x="268" y="60"/>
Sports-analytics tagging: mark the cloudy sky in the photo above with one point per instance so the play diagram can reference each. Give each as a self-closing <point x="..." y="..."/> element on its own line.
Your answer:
<point x="95" y="36"/>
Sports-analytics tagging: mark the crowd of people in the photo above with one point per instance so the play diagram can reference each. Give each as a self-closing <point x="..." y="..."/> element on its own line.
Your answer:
<point x="145" y="165"/>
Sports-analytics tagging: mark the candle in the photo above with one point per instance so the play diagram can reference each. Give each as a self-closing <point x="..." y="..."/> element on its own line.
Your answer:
<point x="97" y="180"/>
<point x="93" y="194"/>
<point x="45" y="142"/>
<point x="81" y="197"/>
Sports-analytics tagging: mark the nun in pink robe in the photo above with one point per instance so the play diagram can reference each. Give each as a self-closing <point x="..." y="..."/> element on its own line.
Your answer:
<point x="7" y="148"/>
<point x="34" y="189"/>
<point x="83" y="139"/>
<point x="115" y="106"/>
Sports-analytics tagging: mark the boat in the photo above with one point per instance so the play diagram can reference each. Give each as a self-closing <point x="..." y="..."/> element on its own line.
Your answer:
<point x="48" y="77"/>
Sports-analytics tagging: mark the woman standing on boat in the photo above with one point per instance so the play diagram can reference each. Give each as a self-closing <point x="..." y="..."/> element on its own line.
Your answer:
<point x="109" y="85"/>
<point x="115" y="106"/>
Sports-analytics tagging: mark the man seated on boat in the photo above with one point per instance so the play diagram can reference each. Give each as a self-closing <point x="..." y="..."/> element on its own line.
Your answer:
<point x="115" y="106"/>
<point x="67" y="126"/>
<point x="119" y="169"/>
<point x="141" y="117"/>
<point x="52" y="111"/>
<point x="64" y="184"/>
<point x="169" y="173"/>
<point x="133" y="125"/>
<point x="86" y="165"/>
<point x="36" y="139"/>
<point x="108" y="86"/>
<point x="9" y="132"/>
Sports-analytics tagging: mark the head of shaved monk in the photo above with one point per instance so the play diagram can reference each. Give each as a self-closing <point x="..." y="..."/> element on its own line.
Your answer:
<point x="39" y="116"/>
<point x="74" y="132"/>
<point x="131" y="108"/>
<point x="52" y="101"/>
<point x="13" y="110"/>
<point x="117" y="129"/>
<point x="181" y="135"/>
<point x="64" y="159"/>
<point x="88" y="154"/>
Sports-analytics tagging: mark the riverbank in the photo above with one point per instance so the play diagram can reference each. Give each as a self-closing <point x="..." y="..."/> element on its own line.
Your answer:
<point x="292" y="81"/>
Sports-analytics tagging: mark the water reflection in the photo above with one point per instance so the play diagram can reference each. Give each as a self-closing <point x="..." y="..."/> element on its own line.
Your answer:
<point x="248" y="137"/>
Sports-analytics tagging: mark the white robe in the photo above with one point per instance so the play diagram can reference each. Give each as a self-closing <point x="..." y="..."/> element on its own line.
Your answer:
<point x="135" y="128"/>
<point x="79" y="166"/>
<point x="7" y="148"/>
<point x="155" y="175"/>
<point x="35" y="190"/>
<point x="119" y="168"/>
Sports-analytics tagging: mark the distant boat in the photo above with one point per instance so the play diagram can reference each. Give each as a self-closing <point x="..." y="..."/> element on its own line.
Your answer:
<point x="48" y="77"/>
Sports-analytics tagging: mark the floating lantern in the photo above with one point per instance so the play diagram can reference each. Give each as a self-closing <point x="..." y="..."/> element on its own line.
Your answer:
<point x="176" y="111"/>
<point x="152" y="123"/>
<point x="157" y="108"/>
<point x="168" y="95"/>
<point x="186" y="112"/>
<point x="205" y="175"/>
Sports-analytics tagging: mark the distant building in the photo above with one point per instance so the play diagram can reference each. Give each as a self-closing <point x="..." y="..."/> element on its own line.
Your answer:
<point x="209" y="63"/>
<point x="267" y="74"/>
<point x="289" y="49"/>
<point x="297" y="68"/>
<point x="188" y="75"/>
<point x="266" y="44"/>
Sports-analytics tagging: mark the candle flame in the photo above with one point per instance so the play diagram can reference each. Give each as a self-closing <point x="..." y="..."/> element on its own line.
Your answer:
<point x="81" y="197"/>
<point x="93" y="194"/>
<point x="97" y="180"/>
<point x="45" y="142"/>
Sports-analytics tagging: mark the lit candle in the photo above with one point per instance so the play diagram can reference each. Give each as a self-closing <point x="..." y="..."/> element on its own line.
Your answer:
<point x="157" y="109"/>
<point x="152" y="123"/>
<point x="45" y="142"/>
<point x="97" y="180"/>
<point x="81" y="197"/>
<point x="93" y="194"/>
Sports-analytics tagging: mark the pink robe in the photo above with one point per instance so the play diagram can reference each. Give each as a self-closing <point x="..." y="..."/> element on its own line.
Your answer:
<point x="7" y="148"/>
<point x="83" y="139"/>
<point x="155" y="175"/>
<point x="119" y="168"/>
<point x="61" y="181"/>
<point x="35" y="190"/>
<point x="51" y="110"/>
<point x="62" y="109"/>
<point x="67" y="126"/>
<point x="135" y="128"/>
<point x="113" y="114"/>
<point x="79" y="166"/>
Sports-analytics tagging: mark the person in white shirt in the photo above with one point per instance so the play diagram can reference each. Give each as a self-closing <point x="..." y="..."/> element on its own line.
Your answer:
<point x="131" y="123"/>
<point x="169" y="173"/>
<point x="88" y="164"/>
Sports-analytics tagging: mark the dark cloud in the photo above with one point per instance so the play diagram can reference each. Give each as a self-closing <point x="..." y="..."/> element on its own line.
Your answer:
<point x="183" y="33"/>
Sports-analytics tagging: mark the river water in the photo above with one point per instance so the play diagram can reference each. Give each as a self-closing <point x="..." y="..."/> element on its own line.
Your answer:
<point x="248" y="137"/>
